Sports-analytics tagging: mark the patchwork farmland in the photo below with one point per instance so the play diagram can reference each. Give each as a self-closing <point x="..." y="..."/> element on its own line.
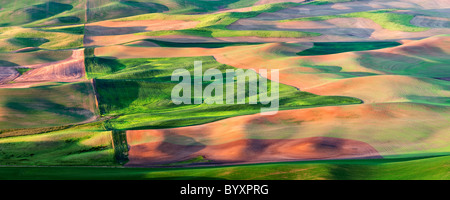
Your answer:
<point x="86" y="87"/>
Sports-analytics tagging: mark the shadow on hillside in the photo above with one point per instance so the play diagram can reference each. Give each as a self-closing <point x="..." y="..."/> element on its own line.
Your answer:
<point x="351" y="172"/>
<point x="104" y="31"/>
<point x="45" y="10"/>
<point x="4" y="63"/>
<point x="28" y="42"/>
<point x="98" y="11"/>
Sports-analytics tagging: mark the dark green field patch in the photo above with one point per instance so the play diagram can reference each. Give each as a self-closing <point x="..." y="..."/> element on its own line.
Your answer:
<point x="23" y="70"/>
<point x="28" y="42"/>
<point x="199" y="44"/>
<point x="323" y="48"/>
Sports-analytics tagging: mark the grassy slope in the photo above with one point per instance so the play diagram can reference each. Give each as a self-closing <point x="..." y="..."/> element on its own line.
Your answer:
<point x="82" y="145"/>
<point x="106" y="9"/>
<point x="17" y="37"/>
<point x="139" y="91"/>
<point x="30" y="58"/>
<point x="41" y="12"/>
<point x="386" y="169"/>
<point x="111" y="9"/>
<point x="384" y="18"/>
<point x="46" y="105"/>
<point x="19" y="17"/>
<point x="422" y="65"/>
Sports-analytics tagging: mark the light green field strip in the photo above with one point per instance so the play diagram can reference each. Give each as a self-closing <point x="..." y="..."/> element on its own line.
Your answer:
<point x="433" y="168"/>
<point x="15" y="38"/>
<point x="385" y="18"/>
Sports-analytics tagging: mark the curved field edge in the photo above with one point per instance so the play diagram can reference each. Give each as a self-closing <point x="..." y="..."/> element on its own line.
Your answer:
<point x="215" y="25"/>
<point x="425" y="168"/>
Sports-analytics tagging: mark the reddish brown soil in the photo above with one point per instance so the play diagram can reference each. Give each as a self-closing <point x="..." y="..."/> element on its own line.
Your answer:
<point x="247" y="150"/>
<point x="364" y="130"/>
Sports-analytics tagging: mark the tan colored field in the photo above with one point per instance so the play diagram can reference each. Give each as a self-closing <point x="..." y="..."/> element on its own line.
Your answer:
<point x="34" y="58"/>
<point x="127" y="27"/>
<point x="8" y="74"/>
<point x="292" y="72"/>
<point x="382" y="88"/>
<point x="150" y="52"/>
<point x="68" y="70"/>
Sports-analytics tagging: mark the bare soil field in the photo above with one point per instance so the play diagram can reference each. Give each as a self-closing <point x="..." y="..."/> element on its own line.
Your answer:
<point x="247" y="150"/>
<point x="8" y="74"/>
<point x="68" y="70"/>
